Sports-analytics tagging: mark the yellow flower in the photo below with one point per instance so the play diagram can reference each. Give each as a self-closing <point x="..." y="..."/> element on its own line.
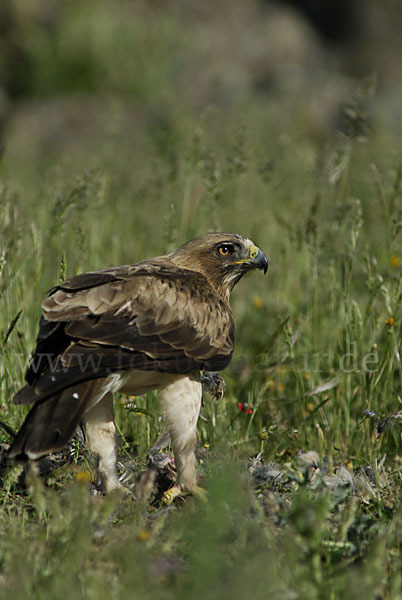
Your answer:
<point x="144" y="535"/>
<point x="206" y="445"/>
<point x="83" y="477"/>
<point x="395" y="261"/>
<point x="258" y="302"/>
<point x="390" y="322"/>
<point x="348" y="464"/>
<point x="310" y="406"/>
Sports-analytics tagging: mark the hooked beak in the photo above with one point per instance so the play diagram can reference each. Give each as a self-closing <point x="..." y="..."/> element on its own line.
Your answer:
<point x="257" y="259"/>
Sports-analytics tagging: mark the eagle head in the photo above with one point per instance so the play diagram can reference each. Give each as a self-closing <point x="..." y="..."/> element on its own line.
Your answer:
<point x="223" y="258"/>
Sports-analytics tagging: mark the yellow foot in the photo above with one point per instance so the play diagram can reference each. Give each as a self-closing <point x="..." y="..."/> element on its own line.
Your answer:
<point x="171" y="494"/>
<point x="177" y="492"/>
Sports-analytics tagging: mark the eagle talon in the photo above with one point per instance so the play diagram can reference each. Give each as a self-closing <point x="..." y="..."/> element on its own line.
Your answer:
<point x="171" y="494"/>
<point x="213" y="383"/>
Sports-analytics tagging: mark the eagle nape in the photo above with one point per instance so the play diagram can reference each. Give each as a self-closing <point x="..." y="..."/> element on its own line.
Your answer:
<point x="154" y="325"/>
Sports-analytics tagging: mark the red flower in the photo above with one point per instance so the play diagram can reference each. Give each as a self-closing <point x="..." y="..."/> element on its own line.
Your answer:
<point x="244" y="408"/>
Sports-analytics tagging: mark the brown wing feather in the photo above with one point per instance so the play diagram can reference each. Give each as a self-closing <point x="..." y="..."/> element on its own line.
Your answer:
<point x="139" y="303"/>
<point x="152" y="316"/>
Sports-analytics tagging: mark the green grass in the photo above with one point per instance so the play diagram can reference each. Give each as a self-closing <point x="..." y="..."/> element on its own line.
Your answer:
<point x="318" y="340"/>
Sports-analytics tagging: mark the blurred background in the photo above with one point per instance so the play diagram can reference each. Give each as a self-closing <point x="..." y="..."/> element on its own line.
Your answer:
<point x="75" y="74"/>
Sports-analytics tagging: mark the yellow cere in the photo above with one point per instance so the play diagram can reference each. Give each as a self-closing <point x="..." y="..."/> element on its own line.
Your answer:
<point x="253" y="251"/>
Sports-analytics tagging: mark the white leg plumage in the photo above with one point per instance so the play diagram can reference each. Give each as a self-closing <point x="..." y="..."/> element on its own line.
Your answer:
<point x="181" y="403"/>
<point x="101" y="439"/>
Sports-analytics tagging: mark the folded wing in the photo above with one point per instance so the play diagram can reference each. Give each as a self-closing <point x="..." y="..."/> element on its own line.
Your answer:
<point x="151" y="316"/>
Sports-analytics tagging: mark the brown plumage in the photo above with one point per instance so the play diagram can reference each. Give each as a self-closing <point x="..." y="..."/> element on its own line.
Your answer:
<point x="152" y="325"/>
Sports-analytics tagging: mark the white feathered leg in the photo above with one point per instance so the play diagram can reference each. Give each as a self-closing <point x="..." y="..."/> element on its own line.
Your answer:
<point x="101" y="438"/>
<point x="181" y="403"/>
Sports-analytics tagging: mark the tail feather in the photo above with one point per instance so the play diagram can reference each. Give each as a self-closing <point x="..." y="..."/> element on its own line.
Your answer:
<point x="51" y="423"/>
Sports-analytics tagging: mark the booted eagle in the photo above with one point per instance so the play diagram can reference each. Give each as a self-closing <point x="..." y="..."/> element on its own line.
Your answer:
<point x="133" y="329"/>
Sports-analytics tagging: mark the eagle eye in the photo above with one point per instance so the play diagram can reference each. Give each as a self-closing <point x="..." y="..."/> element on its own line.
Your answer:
<point x="225" y="249"/>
